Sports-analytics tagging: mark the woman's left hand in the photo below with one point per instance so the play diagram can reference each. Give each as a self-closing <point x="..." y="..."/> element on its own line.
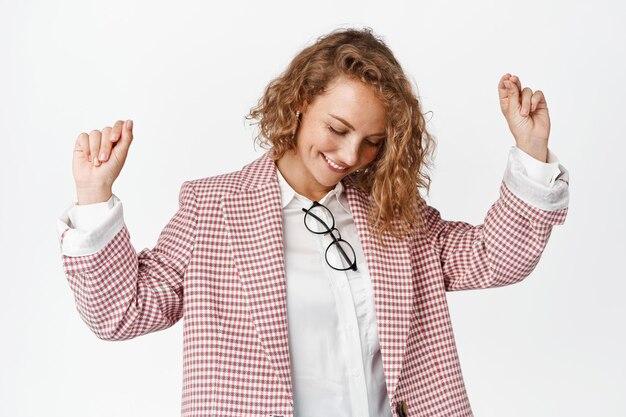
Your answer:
<point x="527" y="115"/>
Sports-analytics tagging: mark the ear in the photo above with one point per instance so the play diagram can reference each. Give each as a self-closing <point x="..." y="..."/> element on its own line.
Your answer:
<point x="304" y="106"/>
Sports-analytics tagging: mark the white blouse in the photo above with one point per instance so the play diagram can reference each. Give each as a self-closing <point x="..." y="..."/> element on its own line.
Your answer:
<point x="336" y="365"/>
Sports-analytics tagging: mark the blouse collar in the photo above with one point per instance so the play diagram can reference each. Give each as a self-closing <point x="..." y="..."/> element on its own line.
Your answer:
<point x="287" y="194"/>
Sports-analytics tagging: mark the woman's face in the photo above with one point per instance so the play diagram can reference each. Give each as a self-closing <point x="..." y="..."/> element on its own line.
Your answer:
<point x="345" y="124"/>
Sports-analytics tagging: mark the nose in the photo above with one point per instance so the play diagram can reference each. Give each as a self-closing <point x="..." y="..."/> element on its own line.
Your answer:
<point x="349" y="153"/>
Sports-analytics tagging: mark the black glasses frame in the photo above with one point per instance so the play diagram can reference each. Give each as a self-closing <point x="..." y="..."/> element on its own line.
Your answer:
<point x="330" y="230"/>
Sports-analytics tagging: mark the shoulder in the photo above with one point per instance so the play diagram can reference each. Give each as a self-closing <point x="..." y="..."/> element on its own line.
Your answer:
<point x="218" y="184"/>
<point x="254" y="174"/>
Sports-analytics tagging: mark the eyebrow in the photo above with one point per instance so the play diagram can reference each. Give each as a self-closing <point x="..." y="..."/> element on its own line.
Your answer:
<point x="345" y="122"/>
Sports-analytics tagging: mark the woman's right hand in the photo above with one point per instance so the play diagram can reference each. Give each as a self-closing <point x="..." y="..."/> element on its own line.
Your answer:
<point x="98" y="160"/>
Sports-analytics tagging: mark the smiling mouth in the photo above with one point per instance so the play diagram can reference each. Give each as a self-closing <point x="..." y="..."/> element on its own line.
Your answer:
<point x="333" y="165"/>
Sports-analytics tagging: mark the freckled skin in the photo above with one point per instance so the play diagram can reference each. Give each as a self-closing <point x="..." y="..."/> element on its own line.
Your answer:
<point x="304" y="168"/>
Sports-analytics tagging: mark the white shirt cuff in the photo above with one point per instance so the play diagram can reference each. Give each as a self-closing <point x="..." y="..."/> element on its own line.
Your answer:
<point x="547" y="190"/>
<point x="542" y="172"/>
<point x="86" y="229"/>
<point x="88" y="216"/>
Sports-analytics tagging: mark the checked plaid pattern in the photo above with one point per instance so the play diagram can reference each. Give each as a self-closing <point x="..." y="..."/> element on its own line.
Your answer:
<point x="218" y="264"/>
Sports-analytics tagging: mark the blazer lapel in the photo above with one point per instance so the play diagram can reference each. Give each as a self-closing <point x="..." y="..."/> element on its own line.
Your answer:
<point x="391" y="276"/>
<point x="254" y="223"/>
<point x="253" y="219"/>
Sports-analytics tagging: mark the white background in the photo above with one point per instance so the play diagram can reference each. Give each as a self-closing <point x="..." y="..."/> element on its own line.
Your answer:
<point x="188" y="72"/>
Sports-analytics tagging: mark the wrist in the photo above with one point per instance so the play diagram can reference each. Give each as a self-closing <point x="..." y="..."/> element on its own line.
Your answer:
<point x="537" y="151"/>
<point x="93" y="195"/>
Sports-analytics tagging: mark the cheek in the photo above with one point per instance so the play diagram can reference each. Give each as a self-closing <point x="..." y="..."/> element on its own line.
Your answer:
<point x="369" y="154"/>
<point x="325" y="143"/>
<point x="325" y="138"/>
<point x="320" y="139"/>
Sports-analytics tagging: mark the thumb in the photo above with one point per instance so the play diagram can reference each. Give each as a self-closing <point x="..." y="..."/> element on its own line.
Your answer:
<point x="82" y="142"/>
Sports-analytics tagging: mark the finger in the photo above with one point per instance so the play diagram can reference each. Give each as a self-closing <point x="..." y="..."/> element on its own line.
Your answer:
<point x="514" y="95"/>
<point x="117" y="131"/>
<point x="82" y="146"/>
<point x="105" y="144"/>
<point x="527" y="93"/>
<point x="517" y="81"/>
<point x="127" y="137"/>
<point x="94" y="145"/>
<point x="537" y="99"/>
<point x="503" y="91"/>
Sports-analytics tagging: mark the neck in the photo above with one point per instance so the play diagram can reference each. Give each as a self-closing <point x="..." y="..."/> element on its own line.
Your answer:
<point x="298" y="178"/>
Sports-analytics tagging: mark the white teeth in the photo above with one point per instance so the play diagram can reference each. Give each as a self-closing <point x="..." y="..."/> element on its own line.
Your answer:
<point x="332" y="163"/>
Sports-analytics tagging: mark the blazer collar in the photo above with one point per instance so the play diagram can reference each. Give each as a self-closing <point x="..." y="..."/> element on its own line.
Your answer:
<point x="253" y="220"/>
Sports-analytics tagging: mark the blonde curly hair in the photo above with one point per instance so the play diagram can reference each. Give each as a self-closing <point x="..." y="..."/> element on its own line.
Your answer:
<point x="394" y="177"/>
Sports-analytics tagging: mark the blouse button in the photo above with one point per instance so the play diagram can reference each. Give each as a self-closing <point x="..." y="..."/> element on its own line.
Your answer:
<point x="402" y="409"/>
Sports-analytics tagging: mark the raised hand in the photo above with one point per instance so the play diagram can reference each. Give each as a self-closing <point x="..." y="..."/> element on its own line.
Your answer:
<point x="98" y="160"/>
<point x="527" y="116"/>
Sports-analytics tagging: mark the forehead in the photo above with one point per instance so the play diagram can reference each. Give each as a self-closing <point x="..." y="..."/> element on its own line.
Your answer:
<point x="350" y="98"/>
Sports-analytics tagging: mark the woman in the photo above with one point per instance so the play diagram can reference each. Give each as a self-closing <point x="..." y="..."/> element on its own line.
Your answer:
<point x="313" y="281"/>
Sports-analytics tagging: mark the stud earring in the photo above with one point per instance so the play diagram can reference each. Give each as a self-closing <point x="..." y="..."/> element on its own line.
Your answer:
<point x="298" y="114"/>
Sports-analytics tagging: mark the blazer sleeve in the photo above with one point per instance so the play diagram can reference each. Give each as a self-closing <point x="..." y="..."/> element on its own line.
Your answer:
<point x="507" y="246"/>
<point x="121" y="294"/>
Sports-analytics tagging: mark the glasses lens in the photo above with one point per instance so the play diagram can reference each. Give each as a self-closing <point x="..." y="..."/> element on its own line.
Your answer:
<point x="314" y="218"/>
<point x="336" y="258"/>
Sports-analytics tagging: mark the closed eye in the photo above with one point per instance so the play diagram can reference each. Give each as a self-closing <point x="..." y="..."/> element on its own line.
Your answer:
<point x="335" y="132"/>
<point x="343" y="133"/>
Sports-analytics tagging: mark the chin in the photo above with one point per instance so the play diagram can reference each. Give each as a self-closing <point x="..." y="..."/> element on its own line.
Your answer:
<point x="328" y="180"/>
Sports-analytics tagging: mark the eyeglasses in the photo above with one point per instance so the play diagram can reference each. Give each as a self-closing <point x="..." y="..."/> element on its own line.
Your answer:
<point x="313" y="221"/>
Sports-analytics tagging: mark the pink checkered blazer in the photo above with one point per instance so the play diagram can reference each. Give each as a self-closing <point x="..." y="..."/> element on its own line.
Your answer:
<point x="219" y="265"/>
